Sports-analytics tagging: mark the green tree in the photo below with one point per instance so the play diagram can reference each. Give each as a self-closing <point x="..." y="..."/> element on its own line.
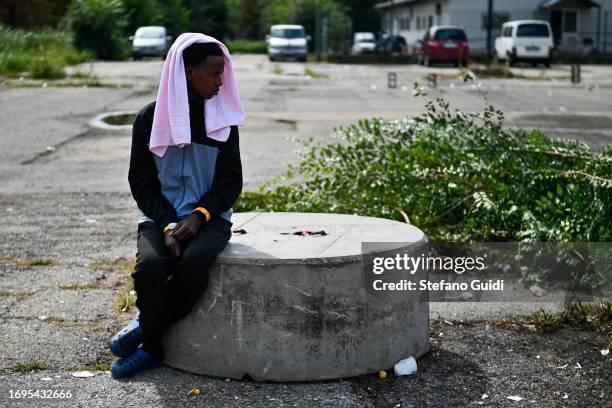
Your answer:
<point x="98" y="26"/>
<point x="245" y="19"/>
<point x="210" y="17"/>
<point x="142" y="13"/>
<point x="176" y="16"/>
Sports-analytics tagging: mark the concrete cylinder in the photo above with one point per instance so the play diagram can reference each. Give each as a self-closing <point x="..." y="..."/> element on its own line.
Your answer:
<point x="285" y="307"/>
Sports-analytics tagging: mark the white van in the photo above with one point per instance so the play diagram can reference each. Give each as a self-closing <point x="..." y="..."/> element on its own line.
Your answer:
<point x="525" y="40"/>
<point x="287" y="41"/>
<point x="363" y="42"/>
<point x="150" y="41"/>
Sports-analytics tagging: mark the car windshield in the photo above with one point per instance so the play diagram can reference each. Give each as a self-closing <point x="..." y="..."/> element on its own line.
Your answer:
<point x="150" y="33"/>
<point x="450" y="34"/>
<point x="365" y="40"/>
<point x="288" y="32"/>
<point x="532" y="30"/>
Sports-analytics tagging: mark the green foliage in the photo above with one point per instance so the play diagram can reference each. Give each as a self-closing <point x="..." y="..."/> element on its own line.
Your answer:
<point x="594" y="316"/>
<point x="210" y="17"/>
<point x="98" y="26"/>
<point x="142" y="13"/>
<point x="247" y="46"/>
<point x="459" y="177"/>
<point x="40" y="54"/>
<point x="177" y="17"/>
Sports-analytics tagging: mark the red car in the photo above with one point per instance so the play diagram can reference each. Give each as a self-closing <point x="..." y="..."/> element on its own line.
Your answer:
<point x="443" y="44"/>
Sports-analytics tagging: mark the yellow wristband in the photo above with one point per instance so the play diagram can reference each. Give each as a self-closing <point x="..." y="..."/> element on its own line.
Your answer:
<point x="203" y="211"/>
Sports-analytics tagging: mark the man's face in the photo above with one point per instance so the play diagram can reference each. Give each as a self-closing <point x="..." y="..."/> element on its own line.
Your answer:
<point x="205" y="78"/>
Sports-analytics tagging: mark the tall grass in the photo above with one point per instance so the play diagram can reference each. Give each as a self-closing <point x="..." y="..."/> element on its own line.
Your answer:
<point x="247" y="46"/>
<point x="38" y="54"/>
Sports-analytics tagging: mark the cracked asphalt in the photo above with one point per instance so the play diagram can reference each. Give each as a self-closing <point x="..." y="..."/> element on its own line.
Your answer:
<point x="69" y="237"/>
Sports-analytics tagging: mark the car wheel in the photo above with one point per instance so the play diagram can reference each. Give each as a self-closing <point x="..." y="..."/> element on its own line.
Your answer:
<point x="547" y="63"/>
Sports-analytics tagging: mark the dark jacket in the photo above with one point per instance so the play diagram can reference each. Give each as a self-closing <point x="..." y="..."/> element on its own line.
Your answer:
<point x="205" y="173"/>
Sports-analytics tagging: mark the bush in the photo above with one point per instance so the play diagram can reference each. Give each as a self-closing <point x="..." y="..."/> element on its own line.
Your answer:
<point x="42" y="54"/>
<point x="247" y="46"/>
<point x="460" y="177"/>
<point x="98" y="26"/>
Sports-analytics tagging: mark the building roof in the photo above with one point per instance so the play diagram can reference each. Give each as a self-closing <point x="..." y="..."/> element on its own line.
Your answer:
<point x="388" y="4"/>
<point x="553" y="3"/>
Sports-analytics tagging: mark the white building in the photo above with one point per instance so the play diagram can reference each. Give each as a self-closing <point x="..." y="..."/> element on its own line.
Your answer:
<point x="576" y="24"/>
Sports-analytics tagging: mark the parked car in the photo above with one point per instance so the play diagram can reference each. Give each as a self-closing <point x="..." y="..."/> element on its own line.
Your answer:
<point x="525" y="40"/>
<point x="393" y="44"/>
<point x="443" y="44"/>
<point x="287" y="41"/>
<point x="150" y="41"/>
<point x="363" y="43"/>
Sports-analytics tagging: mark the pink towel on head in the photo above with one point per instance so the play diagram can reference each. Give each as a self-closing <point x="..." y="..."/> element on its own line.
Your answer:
<point x="171" y="126"/>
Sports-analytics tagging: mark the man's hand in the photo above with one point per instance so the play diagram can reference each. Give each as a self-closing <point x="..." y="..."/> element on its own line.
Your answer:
<point x="173" y="245"/>
<point x="187" y="228"/>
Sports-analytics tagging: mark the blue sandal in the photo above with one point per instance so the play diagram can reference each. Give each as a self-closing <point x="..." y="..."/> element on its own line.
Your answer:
<point x="138" y="361"/>
<point x="127" y="340"/>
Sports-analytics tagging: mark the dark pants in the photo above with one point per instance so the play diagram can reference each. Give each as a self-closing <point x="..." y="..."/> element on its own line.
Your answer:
<point x="167" y="288"/>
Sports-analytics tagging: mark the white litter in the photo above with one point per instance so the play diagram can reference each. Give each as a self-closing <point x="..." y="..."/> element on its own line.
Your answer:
<point x="406" y="366"/>
<point x="91" y="221"/>
<point x="46" y="379"/>
<point x="604" y="352"/>
<point x="42" y="317"/>
<point x="562" y="367"/>
<point x="83" y="374"/>
<point x="515" y="398"/>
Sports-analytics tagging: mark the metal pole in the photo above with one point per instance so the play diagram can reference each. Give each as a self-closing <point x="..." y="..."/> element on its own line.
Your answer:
<point x="489" y="31"/>
<point x="391" y="23"/>
<point x="318" y="30"/>
<point x="605" y="32"/>
<point x="599" y="28"/>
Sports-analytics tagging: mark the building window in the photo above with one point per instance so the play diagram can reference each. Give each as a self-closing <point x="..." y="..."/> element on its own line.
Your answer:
<point x="438" y="9"/>
<point x="570" y="21"/>
<point x="430" y="22"/>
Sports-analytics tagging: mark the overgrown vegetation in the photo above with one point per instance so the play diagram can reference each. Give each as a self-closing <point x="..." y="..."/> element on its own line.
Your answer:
<point x="38" y="54"/>
<point x="98" y="26"/>
<point x="460" y="177"/>
<point x="597" y="317"/>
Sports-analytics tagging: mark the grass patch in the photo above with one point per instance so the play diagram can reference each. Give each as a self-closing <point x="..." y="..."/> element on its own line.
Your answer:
<point x="94" y="285"/>
<point x="247" y="46"/>
<point x="119" y="264"/>
<point x="38" y="54"/>
<point x="125" y="300"/>
<point x="493" y="71"/>
<point x="314" y="74"/>
<point x="27" y="263"/>
<point x="29" y="366"/>
<point x="278" y="70"/>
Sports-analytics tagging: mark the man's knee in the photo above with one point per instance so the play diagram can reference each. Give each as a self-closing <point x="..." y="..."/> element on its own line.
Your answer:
<point x="152" y="268"/>
<point x="198" y="259"/>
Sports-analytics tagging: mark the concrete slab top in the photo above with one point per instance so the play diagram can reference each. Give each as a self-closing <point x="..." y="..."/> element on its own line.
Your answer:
<point x="270" y="237"/>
